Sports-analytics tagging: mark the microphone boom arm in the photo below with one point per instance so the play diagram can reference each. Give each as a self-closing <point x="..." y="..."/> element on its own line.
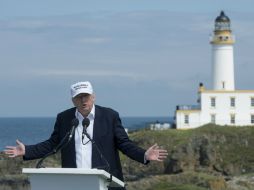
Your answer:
<point x="68" y="136"/>
<point x="98" y="150"/>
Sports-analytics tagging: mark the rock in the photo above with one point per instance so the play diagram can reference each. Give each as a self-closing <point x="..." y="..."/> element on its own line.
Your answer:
<point x="14" y="183"/>
<point x="241" y="183"/>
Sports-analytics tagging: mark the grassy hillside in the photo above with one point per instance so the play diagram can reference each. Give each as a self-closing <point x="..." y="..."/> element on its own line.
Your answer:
<point x="218" y="153"/>
<point x="209" y="157"/>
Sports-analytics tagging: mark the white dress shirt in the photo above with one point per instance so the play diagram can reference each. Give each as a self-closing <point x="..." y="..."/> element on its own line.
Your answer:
<point x="84" y="152"/>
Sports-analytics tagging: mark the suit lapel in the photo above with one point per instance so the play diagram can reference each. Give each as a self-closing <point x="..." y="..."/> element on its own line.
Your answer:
<point x="97" y="133"/>
<point x="96" y="125"/>
<point x="100" y="126"/>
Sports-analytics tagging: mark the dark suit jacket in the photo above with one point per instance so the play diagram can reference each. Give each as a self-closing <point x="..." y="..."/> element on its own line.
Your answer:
<point x="108" y="134"/>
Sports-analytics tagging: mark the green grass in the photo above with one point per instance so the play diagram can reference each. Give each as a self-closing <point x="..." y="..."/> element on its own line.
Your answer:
<point x="231" y="146"/>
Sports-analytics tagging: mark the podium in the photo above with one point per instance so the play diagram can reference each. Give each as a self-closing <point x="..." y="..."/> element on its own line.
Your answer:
<point x="70" y="179"/>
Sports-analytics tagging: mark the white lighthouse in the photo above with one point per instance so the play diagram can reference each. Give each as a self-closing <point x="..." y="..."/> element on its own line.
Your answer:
<point x="222" y="54"/>
<point x="222" y="104"/>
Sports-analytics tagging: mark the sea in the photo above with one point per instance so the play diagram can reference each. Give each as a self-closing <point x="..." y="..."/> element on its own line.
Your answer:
<point x="31" y="130"/>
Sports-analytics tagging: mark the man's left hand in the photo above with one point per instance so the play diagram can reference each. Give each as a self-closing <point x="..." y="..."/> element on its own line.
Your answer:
<point x="155" y="153"/>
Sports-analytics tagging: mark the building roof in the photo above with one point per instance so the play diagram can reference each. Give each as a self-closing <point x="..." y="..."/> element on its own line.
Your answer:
<point x="226" y="91"/>
<point x="222" y="17"/>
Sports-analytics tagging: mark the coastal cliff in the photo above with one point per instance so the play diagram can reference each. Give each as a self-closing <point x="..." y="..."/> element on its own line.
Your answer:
<point x="210" y="157"/>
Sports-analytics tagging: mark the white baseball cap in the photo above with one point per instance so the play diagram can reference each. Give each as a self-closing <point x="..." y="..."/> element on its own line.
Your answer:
<point x="81" y="87"/>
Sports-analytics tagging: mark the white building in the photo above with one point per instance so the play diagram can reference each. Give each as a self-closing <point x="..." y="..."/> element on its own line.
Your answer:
<point x="160" y="126"/>
<point x="222" y="105"/>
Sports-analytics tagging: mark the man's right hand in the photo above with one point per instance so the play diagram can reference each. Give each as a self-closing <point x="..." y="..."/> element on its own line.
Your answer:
<point x="14" y="151"/>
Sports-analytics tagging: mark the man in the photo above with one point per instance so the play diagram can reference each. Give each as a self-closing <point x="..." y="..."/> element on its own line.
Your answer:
<point x="105" y="129"/>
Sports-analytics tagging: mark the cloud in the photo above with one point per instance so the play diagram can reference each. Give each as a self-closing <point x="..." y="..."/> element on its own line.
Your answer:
<point x="45" y="24"/>
<point x="95" y="40"/>
<point x="84" y="72"/>
<point x="25" y="25"/>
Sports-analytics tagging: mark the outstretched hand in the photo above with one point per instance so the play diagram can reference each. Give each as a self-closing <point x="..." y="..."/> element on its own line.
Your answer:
<point x="14" y="151"/>
<point x="155" y="153"/>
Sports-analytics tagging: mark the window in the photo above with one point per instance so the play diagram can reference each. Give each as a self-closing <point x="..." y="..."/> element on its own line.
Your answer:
<point x="186" y="119"/>
<point x="213" y="102"/>
<point x="213" y="118"/>
<point x="252" y="119"/>
<point x="232" y="102"/>
<point x="252" y="101"/>
<point x="232" y="118"/>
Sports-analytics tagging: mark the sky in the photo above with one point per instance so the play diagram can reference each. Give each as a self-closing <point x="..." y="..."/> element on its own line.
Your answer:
<point x="143" y="57"/>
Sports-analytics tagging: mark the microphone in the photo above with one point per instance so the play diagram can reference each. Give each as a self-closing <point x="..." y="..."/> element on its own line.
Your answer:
<point x="63" y="142"/>
<point x="85" y="124"/>
<point x="74" y="124"/>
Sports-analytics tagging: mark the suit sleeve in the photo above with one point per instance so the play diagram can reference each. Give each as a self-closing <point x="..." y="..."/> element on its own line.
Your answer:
<point x="39" y="150"/>
<point x="125" y="145"/>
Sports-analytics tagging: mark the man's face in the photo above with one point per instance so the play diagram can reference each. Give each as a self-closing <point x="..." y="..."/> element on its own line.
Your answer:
<point x="84" y="103"/>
